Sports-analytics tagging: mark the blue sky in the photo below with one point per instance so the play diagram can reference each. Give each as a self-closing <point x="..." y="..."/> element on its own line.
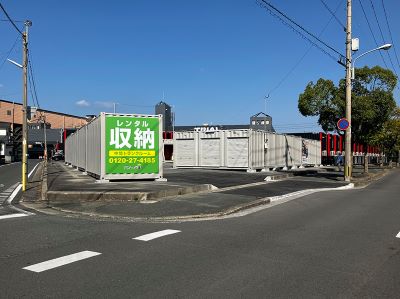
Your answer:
<point x="214" y="61"/>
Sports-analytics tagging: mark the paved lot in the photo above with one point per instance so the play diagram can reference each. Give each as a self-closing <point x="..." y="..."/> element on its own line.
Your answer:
<point x="72" y="191"/>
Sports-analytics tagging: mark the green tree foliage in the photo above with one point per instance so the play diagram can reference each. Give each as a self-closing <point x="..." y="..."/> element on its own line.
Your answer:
<point x="389" y="136"/>
<point x="372" y="102"/>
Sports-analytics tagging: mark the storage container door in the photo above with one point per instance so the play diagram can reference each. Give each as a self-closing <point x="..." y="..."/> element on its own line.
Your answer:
<point x="185" y="152"/>
<point x="237" y="152"/>
<point x="210" y="152"/>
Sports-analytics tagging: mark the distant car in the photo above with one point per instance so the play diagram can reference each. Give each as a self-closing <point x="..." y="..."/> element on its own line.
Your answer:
<point x="58" y="156"/>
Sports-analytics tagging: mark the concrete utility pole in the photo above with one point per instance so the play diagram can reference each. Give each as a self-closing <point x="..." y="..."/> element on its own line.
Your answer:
<point x="348" y="155"/>
<point x="25" y="105"/>
<point x="45" y="139"/>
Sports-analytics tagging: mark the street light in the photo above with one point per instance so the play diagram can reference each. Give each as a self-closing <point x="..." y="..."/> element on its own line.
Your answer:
<point x="24" y="67"/>
<point x="349" y="77"/>
<point x="383" y="47"/>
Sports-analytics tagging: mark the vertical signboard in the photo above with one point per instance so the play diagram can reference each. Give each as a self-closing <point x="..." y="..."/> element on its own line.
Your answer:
<point x="132" y="144"/>
<point x="304" y="151"/>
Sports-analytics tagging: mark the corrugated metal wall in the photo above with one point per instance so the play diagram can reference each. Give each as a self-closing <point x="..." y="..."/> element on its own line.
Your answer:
<point x="243" y="149"/>
<point x="85" y="148"/>
<point x="93" y="151"/>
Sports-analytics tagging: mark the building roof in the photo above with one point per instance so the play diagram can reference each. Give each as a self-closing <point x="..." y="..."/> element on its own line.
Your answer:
<point x="48" y="111"/>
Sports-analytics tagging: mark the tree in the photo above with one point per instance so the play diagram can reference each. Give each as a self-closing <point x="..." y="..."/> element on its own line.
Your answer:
<point x="372" y="102"/>
<point x="389" y="137"/>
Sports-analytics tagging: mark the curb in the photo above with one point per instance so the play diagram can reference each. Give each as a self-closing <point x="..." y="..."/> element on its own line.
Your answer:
<point x="194" y="217"/>
<point x="82" y="196"/>
<point x="363" y="182"/>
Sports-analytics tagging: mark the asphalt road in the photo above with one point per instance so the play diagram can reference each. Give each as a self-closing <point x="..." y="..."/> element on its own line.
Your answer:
<point x="332" y="244"/>
<point x="10" y="177"/>
<point x="10" y="174"/>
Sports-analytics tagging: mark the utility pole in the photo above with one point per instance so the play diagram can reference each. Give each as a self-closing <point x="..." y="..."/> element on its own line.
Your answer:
<point x="45" y="138"/>
<point x="25" y="105"/>
<point x="348" y="155"/>
<point x="265" y="109"/>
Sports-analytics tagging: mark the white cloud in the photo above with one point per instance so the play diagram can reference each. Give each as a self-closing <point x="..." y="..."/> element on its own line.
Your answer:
<point x="82" y="103"/>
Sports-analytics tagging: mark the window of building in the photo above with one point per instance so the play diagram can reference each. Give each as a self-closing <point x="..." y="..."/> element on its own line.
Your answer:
<point x="8" y="112"/>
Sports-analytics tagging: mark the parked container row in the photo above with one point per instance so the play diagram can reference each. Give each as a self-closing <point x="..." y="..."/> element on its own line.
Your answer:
<point x="243" y="149"/>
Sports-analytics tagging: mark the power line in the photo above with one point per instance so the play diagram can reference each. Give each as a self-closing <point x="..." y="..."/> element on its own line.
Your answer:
<point x="333" y="14"/>
<point x="9" y="19"/>
<point x="9" y="52"/>
<point x="30" y="91"/>
<point x="383" y="38"/>
<point x="274" y="11"/>
<point x="390" y="34"/>
<point x="30" y="65"/>
<point x="15" y="21"/>
<point x="304" y="55"/>
<point x="372" y="33"/>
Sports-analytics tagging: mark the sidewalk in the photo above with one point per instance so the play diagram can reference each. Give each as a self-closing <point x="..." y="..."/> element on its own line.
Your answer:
<point x="188" y="193"/>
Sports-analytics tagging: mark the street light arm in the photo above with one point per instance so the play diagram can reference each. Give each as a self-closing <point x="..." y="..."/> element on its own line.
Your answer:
<point x="384" y="47"/>
<point x="15" y="63"/>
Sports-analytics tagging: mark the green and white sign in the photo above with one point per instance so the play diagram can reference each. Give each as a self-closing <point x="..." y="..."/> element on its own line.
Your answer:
<point x="132" y="145"/>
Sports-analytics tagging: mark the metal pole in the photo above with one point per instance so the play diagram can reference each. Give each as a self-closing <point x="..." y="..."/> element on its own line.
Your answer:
<point x="25" y="106"/>
<point x="45" y="138"/>
<point x="348" y="155"/>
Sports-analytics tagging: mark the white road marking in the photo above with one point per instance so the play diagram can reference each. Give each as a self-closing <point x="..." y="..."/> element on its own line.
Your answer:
<point x="155" y="235"/>
<point x="34" y="168"/>
<point x="61" y="261"/>
<point x="14" y="193"/>
<point x="13" y="216"/>
<point x="16" y="190"/>
<point x="398" y="235"/>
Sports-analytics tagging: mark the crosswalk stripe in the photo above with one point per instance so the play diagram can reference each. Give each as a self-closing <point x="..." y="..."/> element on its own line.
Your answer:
<point x="155" y="235"/>
<point x="61" y="261"/>
<point x="13" y="216"/>
<point x="398" y="235"/>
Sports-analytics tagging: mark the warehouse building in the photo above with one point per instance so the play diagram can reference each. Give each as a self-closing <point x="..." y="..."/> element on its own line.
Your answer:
<point x="259" y="121"/>
<point x="54" y="125"/>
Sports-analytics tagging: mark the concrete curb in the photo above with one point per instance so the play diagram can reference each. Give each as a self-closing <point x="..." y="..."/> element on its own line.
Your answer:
<point x="363" y="182"/>
<point x="277" y="177"/>
<point x="194" y="217"/>
<point x="81" y="196"/>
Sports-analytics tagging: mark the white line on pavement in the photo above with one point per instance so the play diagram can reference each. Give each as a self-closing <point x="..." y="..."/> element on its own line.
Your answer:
<point x="12" y="216"/>
<point x="16" y="190"/>
<point x="14" y="193"/>
<point x="61" y="261"/>
<point x="398" y="235"/>
<point x="155" y="235"/>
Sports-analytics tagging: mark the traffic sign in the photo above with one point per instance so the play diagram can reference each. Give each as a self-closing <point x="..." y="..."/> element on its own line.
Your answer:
<point x="343" y="124"/>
